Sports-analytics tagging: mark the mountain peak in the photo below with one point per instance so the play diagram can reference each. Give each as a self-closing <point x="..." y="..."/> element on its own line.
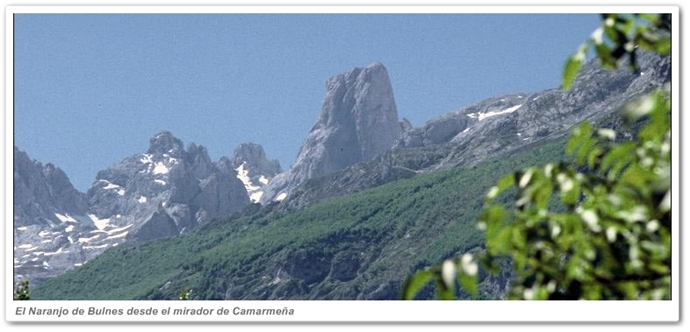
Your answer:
<point x="165" y="142"/>
<point x="358" y="120"/>
<point x="255" y="157"/>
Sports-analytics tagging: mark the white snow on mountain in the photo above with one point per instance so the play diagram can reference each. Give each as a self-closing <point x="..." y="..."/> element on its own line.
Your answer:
<point x="243" y="175"/>
<point x="100" y="223"/>
<point x="65" y="218"/>
<point x="160" y="168"/>
<point x="255" y="197"/>
<point x="481" y="115"/>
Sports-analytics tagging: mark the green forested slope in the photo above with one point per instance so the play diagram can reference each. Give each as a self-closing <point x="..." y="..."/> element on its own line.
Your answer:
<point x="361" y="246"/>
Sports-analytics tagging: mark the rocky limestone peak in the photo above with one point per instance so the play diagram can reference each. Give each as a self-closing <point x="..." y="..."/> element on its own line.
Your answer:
<point x="40" y="190"/>
<point x="253" y="156"/>
<point x="199" y="160"/>
<point x="165" y="142"/>
<point x="358" y="120"/>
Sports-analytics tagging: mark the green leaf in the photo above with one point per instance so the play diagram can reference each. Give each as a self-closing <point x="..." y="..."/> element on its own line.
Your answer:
<point x="443" y="292"/>
<point x="503" y="184"/>
<point x="469" y="284"/>
<point x="416" y="283"/>
<point x="572" y="67"/>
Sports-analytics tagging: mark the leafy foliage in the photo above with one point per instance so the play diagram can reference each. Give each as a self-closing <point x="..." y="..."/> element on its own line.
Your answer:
<point x="597" y="227"/>
<point x="614" y="239"/>
<point x="619" y="37"/>
<point x="22" y="292"/>
<point x="185" y="294"/>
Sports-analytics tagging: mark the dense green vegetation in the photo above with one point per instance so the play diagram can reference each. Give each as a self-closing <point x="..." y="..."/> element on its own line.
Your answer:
<point x="613" y="240"/>
<point x="362" y="246"/>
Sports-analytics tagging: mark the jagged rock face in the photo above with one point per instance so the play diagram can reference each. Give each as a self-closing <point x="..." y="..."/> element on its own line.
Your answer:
<point x="41" y="191"/>
<point x="147" y="196"/>
<point x="44" y="201"/>
<point x="254" y="169"/>
<point x="495" y="126"/>
<point x="358" y="121"/>
<point x="505" y="123"/>
<point x="186" y="185"/>
<point x="254" y="158"/>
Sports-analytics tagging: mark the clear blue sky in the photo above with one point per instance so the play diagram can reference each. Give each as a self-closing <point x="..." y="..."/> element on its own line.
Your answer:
<point x="92" y="89"/>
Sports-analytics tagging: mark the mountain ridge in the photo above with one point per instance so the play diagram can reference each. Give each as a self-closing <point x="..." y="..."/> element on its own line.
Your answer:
<point x="168" y="190"/>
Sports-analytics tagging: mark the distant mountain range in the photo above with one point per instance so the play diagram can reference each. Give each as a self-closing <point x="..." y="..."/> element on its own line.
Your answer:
<point x="357" y="143"/>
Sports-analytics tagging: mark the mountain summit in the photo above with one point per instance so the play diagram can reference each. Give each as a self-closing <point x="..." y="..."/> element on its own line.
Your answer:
<point x="358" y="120"/>
<point x="254" y="169"/>
<point x="161" y="193"/>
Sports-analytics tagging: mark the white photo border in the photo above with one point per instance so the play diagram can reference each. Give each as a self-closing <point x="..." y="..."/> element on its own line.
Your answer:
<point x="354" y="311"/>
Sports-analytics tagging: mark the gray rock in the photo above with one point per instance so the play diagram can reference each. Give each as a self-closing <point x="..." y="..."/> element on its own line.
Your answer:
<point x="254" y="169"/>
<point x="358" y="121"/>
<point x="490" y="128"/>
<point x="41" y="191"/>
<point x="252" y="155"/>
<point x="158" y="194"/>
<point x="49" y="215"/>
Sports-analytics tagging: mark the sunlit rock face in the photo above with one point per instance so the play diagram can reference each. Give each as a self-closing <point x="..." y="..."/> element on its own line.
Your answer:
<point x="358" y="121"/>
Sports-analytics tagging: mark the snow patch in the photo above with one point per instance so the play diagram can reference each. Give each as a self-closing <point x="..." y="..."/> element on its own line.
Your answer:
<point x="243" y="175"/>
<point x="69" y="228"/>
<point x="116" y="230"/>
<point x="161" y="182"/>
<point x="95" y="247"/>
<point x="65" y="218"/>
<point x="25" y="246"/>
<point x="160" y="169"/>
<point x="146" y="158"/>
<point x="87" y="239"/>
<point x="77" y="264"/>
<point x="466" y="130"/>
<point x="121" y="192"/>
<point x="256" y="196"/>
<point x="21" y="228"/>
<point x="263" y="180"/>
<point x="99" y="223"/>
<point x="142" y="199"/>
<point x="483" y="116"/>
<point x="123" y="234"/>
<point x="281" y="197"/>
<point x="109" y="185"/>
<point x="535" y="98"/>
<point x="59" y="251"/>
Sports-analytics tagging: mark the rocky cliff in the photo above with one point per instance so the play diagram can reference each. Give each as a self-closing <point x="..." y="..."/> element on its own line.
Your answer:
<point x="495" y="126"/>
<point x="254" y="169"/>
<point x="358" y="121"/>
<point x="160" y="193"/>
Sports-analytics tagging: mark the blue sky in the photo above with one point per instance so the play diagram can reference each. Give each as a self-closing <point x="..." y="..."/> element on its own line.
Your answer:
<point x="91" y="89"/>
